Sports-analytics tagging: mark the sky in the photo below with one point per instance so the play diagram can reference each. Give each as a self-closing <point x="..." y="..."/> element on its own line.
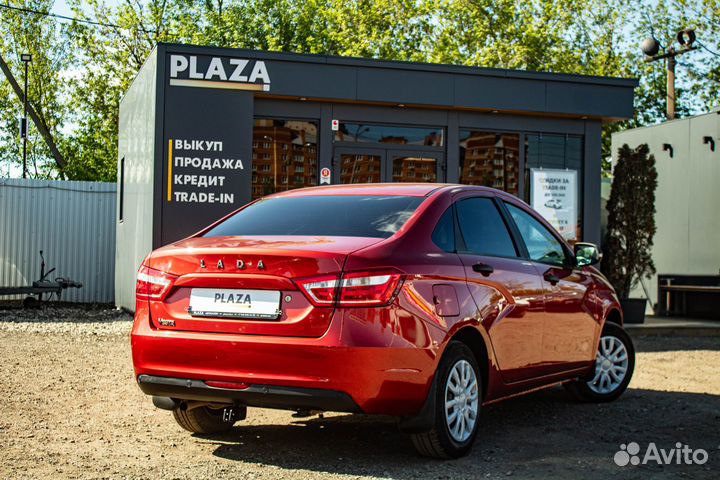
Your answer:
<point x="61" y="8"/>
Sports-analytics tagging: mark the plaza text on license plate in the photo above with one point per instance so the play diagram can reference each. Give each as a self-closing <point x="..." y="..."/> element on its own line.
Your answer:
<point x="212" y="302"/>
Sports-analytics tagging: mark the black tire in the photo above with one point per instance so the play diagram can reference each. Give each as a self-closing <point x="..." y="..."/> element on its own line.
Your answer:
<point x="202" y="420"/>
<point x="438" y="442"/>
<point x="31" y="302"/>
<point x="581" y="388"/>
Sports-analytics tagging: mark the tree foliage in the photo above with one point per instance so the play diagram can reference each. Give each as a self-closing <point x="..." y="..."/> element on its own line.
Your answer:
<point x="20" y="34"/>
<point x="704" y="72"/>
<point x="631" y="220"/>
<point x="83" y="70"/>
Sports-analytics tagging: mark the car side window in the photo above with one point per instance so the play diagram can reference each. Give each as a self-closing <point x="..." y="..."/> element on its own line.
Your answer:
<point x="444" y="234"/>
<point x="542" y="245"/>
<point x="484" y="229"/>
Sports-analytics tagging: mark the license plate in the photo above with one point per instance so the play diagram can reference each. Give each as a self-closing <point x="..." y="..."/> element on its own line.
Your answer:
<point x="210" y="302"/>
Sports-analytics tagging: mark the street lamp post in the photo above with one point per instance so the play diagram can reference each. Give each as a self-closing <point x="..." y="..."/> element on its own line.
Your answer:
<point x="26" y="58"/>
<point x="651" y="47"/>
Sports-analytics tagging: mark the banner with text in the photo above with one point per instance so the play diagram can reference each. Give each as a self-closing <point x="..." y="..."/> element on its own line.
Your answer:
<point x="206" y="157"/>
<point x="553" y="194"/>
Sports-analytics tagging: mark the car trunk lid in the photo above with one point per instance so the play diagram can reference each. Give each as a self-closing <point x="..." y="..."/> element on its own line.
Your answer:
<point x="246" y="285"/>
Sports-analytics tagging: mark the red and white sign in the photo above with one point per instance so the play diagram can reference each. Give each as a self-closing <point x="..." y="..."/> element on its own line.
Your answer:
<point x="335" y="125"/>
<point x="325" y="176"/>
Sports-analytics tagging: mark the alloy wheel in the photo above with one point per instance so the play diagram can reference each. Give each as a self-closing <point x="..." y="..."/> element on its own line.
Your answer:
<point x="611" y="365"/>
<point x="461" y="401"/>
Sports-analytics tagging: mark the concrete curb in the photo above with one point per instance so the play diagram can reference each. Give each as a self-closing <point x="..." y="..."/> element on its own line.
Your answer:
<point x="673" y="331"/>
<point x="674" y="327"/>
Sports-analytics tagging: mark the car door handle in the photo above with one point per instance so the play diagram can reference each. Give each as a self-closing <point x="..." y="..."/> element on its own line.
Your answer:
<point x="552" y="278"/>
<point x="483" y="268"/>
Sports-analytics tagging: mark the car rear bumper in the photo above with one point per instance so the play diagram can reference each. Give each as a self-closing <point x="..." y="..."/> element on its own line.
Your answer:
<point x="358" y="365"/>
<point x="265" y="396"/>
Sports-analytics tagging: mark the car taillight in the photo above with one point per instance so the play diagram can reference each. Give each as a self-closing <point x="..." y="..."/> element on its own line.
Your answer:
<point x="321" y="291"/>
<point x="357" y="289"/>
<point x="368" y="288"/>
<point x="152" y="284"/>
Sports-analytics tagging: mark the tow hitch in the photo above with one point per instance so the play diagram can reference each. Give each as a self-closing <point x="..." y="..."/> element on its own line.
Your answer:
<point x="41" y="286"/>
<point x="234" y="414"/>
<point x="229" y="415"/>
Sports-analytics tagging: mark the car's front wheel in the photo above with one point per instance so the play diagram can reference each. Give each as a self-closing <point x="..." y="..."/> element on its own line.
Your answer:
<point x="614" y="366"/>
<point x="457" y="406"/>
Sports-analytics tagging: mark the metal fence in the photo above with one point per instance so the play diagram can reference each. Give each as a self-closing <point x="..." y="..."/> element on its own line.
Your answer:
<point x="73" y="223"/>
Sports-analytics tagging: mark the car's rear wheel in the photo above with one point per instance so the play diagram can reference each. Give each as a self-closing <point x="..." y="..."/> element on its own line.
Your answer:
<point x="204" y="420"/>
<point x="614" y="366"/>
<point x="457" y="406"/>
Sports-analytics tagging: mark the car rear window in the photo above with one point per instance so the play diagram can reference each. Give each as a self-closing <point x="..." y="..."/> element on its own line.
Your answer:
<point x="333" y="216"/>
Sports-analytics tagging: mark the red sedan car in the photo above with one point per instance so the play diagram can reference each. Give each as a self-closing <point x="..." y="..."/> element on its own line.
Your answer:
<point x="416" y="300"/>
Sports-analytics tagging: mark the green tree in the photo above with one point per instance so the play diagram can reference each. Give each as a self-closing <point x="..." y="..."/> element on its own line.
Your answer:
<point x="106" y="61"/>
<point x="108" y="58"/>
<point x="704" y="70"/>
<point x="662" y="22"/>
<point x="566" y="36"/>
<point x="631" y="220"/>
<point x="44" y="40"/>
<point x="83" y="70"/>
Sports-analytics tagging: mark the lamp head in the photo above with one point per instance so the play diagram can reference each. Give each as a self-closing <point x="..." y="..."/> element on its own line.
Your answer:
<point x="686" y="37"/>
<point x="650" y="46"/>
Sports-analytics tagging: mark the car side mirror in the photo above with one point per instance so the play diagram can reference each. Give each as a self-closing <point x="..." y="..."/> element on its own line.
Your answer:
<point x="587" y="254"/>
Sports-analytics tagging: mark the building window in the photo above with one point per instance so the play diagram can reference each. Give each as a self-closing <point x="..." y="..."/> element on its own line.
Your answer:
<point x="489" y="159"/>
<point x="276" y="137"/>
<point x="392" y="134"/>
<point x="559" y="152"/>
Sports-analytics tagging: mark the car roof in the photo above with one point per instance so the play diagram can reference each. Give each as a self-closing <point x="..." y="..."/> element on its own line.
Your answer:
<point x="377" y="189"/>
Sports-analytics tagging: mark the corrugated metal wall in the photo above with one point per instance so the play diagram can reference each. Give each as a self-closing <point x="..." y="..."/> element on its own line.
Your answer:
<point x="73" y="223"/>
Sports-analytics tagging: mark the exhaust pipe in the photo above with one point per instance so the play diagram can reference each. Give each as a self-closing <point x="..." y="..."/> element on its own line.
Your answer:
<point x="165" y="403"/>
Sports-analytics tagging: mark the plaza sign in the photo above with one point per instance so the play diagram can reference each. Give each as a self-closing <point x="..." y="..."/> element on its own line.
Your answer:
<point x="218" y="72"/>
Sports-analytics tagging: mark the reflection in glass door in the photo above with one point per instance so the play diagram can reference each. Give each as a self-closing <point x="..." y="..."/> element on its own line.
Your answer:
<point x="284" y="155"/>
<point x="358" y="168"/>
<point x="416" y="167"/>
<point x="490" y="159"/>
<point x="374" y="165"/>
<point x="359" y="165"/>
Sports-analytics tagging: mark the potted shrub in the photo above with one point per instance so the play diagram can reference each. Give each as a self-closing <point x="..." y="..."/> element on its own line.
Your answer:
<point x="631" y="227"/>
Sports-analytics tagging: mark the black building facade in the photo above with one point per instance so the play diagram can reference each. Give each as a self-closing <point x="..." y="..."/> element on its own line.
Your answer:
<point x="205" y="130"/>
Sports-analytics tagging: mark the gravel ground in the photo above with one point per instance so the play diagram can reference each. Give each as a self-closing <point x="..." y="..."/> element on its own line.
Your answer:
<point x="72" y="410"/>
<point x="64" y="319"/>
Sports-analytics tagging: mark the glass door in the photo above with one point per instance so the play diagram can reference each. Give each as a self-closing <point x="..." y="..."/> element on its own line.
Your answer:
<point x="359" y="165"/>
<point x="415" y="166"/>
